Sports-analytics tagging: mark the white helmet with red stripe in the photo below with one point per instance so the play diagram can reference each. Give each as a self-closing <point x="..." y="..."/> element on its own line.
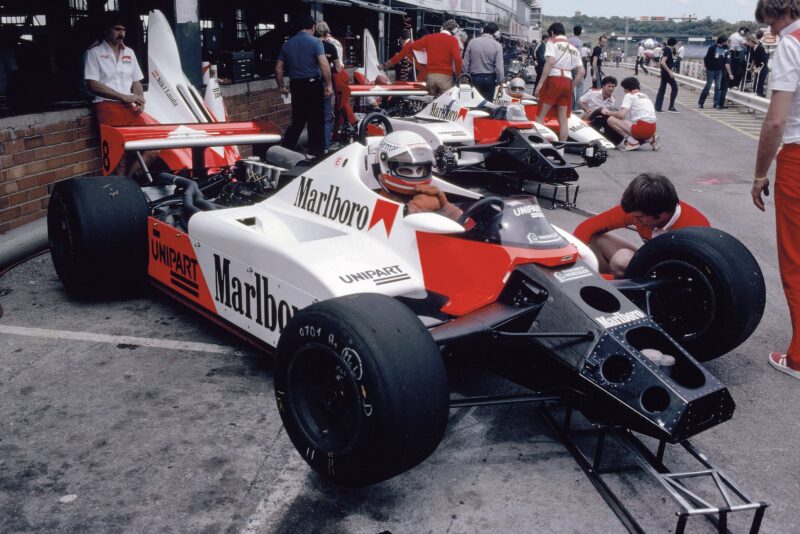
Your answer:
<point x="516" y="88"/>
<point x="405" y="161"/>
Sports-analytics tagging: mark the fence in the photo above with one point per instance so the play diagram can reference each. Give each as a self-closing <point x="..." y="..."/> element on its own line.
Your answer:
<point x="693" y="75"/>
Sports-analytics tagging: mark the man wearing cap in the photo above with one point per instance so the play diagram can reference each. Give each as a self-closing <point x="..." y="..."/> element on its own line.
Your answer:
<point x="309" y="83"/>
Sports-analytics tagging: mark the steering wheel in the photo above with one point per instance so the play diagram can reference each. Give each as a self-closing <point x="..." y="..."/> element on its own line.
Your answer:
<point x="479" y="206"/>
<point x="467" y="76"/>
<point x="377" y="118"/>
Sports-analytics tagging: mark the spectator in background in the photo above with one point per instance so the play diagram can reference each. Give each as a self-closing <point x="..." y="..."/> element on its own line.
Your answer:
<point x="635" y="119"/>
<point x="597" y="62"/>
<point x="649" y="204"/>
<point x="680" y="52"/>
<point x="759" y="63"/>
<point x="782" y="124"/>
<point x="738" y="55"/>
<point x="617" y="57"/>
<point x="539" y="57"/>
<point x="577" y="42"/>
<point x="483" y="60"/>
<point x="336" y="66"/>
<point x="640" y="60"/>
<point x="113" y="76"/>
<point x="557" y="84"/>
<point x="718" y="64"/>
<point x="667" y="77"/>
<point x="443" y="56"/>
<point x="310" y="83"/>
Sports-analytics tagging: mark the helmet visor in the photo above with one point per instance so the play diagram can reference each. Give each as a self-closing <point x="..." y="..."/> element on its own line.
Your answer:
<point x="412" y="155"/>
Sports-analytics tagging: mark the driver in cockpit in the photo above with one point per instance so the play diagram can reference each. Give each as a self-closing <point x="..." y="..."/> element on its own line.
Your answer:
<point x="516" y="88"/>
<point x="403" y="167"/>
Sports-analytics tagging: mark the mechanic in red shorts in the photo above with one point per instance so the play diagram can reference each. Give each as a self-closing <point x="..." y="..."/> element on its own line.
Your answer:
<point x="649" y="205"/>
<point x="113" y="75"/>
<point x="405" y="165"/>
<point x="555" y="85"/>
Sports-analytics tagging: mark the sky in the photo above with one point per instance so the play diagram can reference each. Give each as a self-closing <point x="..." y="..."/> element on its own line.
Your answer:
<point x="730" y="10"/>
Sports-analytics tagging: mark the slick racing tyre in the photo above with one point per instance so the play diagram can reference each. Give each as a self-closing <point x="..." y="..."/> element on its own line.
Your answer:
<point x="361" y="388"/>
<point x="97" y="229"/>
<point x="714" y="292"/>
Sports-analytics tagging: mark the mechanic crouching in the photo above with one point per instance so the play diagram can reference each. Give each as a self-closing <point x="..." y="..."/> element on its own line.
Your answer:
<point x="404" y="167"/>
<point x="649" y="205"/>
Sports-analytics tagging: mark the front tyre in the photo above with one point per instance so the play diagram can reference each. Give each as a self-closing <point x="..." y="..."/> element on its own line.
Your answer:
<point x="714" y="294"/>
<point x="361" y="388"/>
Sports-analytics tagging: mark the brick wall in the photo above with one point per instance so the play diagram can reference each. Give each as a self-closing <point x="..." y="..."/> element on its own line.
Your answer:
<point x="40" y="149"/>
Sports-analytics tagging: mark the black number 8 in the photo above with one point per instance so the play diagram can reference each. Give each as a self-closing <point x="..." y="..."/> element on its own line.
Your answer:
<point x="106" y="159"/>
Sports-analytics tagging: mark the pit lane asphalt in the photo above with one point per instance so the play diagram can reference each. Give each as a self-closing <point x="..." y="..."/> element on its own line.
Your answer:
<point x="140" y="436"/>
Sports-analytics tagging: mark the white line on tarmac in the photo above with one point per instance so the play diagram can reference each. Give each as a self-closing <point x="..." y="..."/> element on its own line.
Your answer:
<point x="285" y="489"/>
<point x="119" y="340"/>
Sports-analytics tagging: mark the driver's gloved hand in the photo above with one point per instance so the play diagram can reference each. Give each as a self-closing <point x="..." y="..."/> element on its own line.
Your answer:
<point x="429" y="198"/>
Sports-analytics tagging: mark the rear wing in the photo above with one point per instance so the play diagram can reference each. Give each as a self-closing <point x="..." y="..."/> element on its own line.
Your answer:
<point x="116" y="140"/>
<point x="388" y="90"/>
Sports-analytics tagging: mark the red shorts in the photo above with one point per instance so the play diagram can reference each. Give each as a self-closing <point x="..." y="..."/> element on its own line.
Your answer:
<point x="642" y="131"/>
<point x="557" y="91"/>
<point x="119" y="114"/>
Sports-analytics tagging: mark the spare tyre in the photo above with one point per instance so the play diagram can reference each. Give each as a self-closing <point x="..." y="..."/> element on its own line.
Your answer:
<point x="713" y="294"/>
<point x="97" y="229"/>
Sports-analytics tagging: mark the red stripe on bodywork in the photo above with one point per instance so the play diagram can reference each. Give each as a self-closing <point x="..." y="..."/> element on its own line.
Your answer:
<point x="173" y="262"/>
<point x="472" y="274"/>
<point x="489" y="130"/>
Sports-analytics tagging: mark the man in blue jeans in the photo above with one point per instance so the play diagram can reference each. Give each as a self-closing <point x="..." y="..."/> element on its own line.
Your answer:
<point x="483" y="60"/>
<point x="717" y="60"/>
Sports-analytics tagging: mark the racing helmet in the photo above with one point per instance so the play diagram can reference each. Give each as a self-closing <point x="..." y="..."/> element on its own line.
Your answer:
<point x="405" y="161"/>
<point x="516" y="88"/>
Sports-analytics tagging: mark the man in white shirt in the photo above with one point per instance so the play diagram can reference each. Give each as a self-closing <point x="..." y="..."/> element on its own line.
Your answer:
<point x="636" y="118"/>
<point x="782" y="125"/>
<point x="640" y="61"/>
<point x="555" y="87"/>
<point x="113" y="76"/>
<point x="738" y="55"/>
<point x="593" y="101"/>
<point x="680" y="52"/>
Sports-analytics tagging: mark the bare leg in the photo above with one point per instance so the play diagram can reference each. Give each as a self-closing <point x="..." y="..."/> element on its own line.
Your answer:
<point x="563" y="124"/>
<point x="543" y="109"/>
<point x="621" y="126"/>
<point x="613" y="253"/>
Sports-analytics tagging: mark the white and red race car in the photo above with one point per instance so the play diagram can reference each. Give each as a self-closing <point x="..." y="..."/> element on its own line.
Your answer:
<point x="469" y="134"/>
<point x="359" y="301"/>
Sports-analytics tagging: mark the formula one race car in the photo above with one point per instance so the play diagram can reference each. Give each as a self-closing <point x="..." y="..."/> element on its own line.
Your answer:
<point x="359" y="301"/>
<point x="470" y="134"/>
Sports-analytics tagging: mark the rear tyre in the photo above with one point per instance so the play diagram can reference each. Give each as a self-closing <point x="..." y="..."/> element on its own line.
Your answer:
<point x="715" y="295"/>
<point x="361" y="388"/>
<point x="97" y="228"/>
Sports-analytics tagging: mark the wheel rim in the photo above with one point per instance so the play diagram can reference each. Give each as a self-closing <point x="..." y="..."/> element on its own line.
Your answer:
<point x="325" y="398"/>
<point x="685" y="307"/>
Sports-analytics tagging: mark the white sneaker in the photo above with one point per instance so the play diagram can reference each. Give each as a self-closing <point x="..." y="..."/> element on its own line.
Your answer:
<point x="655" y="143"/>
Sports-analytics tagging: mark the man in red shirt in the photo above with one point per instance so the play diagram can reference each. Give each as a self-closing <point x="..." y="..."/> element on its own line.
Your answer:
<point x="649" y="205"/>
<point x="444" y="58"/>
